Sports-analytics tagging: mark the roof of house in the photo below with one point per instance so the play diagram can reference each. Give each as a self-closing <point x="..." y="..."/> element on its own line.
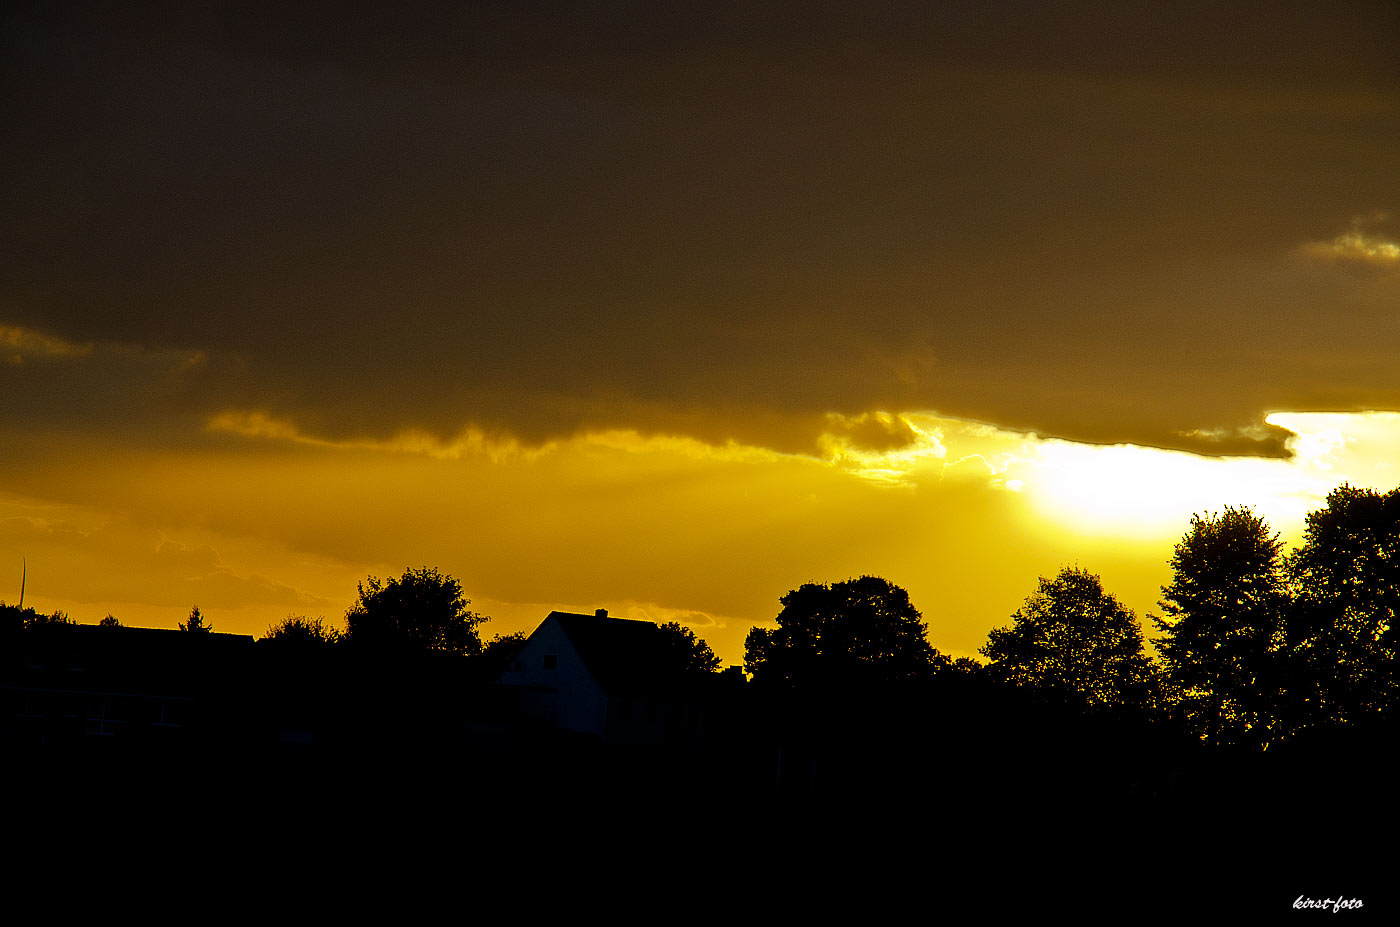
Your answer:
<point x="78" y="656"/>
<point x="624" y="656"/>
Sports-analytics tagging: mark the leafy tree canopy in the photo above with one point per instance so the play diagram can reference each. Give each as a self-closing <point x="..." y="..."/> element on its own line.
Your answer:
<point x="1344" y="628"/>
<point x="301" y="631"/>
<point x="421" y="610"/>
<point x="862" y="631"/>
<point x="1222" y="625"/>
<point x="28" y="618"/>
<point x="1073" y="640"/>
<point x="688" y="654"/>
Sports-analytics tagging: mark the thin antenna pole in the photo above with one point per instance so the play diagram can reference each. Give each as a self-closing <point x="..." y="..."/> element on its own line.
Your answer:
<point x="23" y="574"/>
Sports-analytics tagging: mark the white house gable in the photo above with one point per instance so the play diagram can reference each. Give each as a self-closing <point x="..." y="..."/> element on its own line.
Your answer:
<point x="556" y="686"/>
<point x="606" y="676"/>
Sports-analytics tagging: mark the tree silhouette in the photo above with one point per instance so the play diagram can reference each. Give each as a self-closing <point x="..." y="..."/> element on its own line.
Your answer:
<point x="196" y="622"/>
<point x="423" y="610"/>
<point x="109" y="622"/>
<point x="1222" y="627"/>
<point x="55" y="619"/>
<point x="1343" y="629"/>
<point x="1074" y="641"/>
<point x="28" y="618"/>
<point x="687" y="653"/>
<point x="499" y="653"/>
<point x="301" y="631"/>
<point x="858" y="632"/>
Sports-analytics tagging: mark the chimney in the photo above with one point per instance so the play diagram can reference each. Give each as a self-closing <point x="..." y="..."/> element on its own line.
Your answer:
<point x="601" y="613"/>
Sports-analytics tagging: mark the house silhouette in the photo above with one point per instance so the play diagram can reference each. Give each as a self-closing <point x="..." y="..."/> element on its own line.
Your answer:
<point x="610" y="677"/>
<point x="70" y="684"/>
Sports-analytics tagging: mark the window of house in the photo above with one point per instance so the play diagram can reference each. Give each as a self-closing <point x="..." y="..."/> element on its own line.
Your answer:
<point x="102" y="719"/>
<point x="550" y="661"/>
<point x="167" y="715"/>
<point x="30" y="706"/>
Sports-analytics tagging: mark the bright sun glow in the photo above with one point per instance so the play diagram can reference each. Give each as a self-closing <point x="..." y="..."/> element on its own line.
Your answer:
<point x="1142" y="492"/>
<point x="1145" y="491"/>
<point x="1139" y="491"/>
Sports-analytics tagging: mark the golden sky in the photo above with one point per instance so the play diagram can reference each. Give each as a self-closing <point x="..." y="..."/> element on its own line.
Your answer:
<point x="671" y="308"/>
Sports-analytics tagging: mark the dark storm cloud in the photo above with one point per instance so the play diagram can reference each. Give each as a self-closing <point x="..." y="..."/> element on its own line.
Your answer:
<point x="52" y="386"/>
<point x="1080" y="220"/>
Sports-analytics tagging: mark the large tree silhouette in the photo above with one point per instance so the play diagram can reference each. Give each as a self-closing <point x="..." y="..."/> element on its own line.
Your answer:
<point x="1074" y="641"/>
<point x="1343" y="629"/>
<point x="861" y="632"/>
<point x="423" y="610"/>
<point x="687" y="654"/>
<point x="1222" y="627"/>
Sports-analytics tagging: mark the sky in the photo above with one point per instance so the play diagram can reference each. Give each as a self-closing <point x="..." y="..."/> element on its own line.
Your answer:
<point x="671" y="308"/>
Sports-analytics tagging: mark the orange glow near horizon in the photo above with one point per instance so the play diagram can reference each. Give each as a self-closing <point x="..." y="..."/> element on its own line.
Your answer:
<point x="963" y="514"/>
